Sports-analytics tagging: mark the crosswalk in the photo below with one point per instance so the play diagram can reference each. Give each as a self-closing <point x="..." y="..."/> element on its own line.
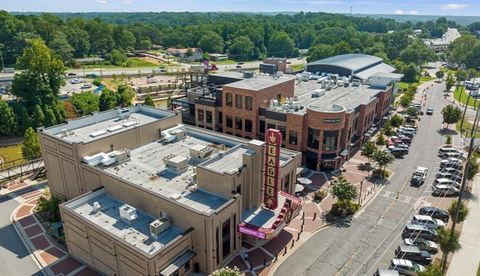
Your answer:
<point x="398" y="197"/>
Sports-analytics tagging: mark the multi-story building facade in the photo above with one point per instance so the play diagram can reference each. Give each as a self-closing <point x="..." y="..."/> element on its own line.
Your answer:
<point x="325" y="116"/>
<point x="149" y="196"/>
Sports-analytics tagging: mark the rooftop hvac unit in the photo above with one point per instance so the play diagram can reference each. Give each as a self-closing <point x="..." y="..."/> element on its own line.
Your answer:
<point x="248" y="74"/>
<point x="129" y="123"/>
<point x="98" y="133"/>
<point x="123" y="114"/>
<point x="177" y="163"/>
<point x="179" y="133"/>
<point x="159" y="226"/>
<point x="200" y="151"/>
<point x="121" y="155"/>
<point x="114" y="128"/>
<point x="64" y="132"/>
<point x="127" y="213"/>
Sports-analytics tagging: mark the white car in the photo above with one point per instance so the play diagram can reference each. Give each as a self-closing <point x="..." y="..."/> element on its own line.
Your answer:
<point x="428" y="221"/>
<point x="451" y="162"/>
<point x="406" y="267"/>
<point x="445" y="190"/>
<point x="447" y="182"/>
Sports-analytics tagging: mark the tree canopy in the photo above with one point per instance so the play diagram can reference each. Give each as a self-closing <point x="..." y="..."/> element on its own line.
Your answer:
<point x="451" y="114"/>
<point x="343" y="190"/>
<point x="31" y="145"/>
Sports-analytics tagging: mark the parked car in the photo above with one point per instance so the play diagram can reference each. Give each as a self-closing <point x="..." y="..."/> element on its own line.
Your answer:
<point x="445" y="190"/>
<point x="456" y="171"/>
<point x="386" y="272"/>
<point x="445" y="181"/>
<point x="406" y="267"/>
<point x="451" y="162"/>
<point x="452" y="176"/>
<point x="71" y="74"/>
<point x="402" y="145"/>
<point x="435" y="213"/>
<point x="398" y="152"/>
<point x="423" y="244"/>
<point x="86" y="86"/>
<point x="455" y="154"/>
<point x="428" y="221"/>
<point x="429" y="111"/>
<point x="419" y="176"/>
<point x="446" y="149"/>
<point x="419" y="231"/>
<point x="413" y="253"/>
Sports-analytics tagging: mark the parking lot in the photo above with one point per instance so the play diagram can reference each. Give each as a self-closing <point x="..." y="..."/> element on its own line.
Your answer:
<point x="76" y="85"/>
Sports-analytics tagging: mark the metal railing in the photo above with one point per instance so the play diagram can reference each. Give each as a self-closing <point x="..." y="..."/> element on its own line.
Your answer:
<point x="19" y="167"/>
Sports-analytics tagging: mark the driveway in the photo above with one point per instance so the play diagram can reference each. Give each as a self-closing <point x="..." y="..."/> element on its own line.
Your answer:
<point x="369" y="241"/>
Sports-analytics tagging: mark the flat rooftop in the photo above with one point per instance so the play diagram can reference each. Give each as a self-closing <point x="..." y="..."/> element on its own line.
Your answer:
<point x="147" y="169"/>
<point x="104" y="124"/>
<point x="334" y="100"/>
<point x="260" y="82"/>
<point x="136" y="234"/>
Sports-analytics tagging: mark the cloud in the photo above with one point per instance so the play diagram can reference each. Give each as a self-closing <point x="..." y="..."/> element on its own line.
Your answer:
<point x="399" y="12"/>
<point x="453" y="7"/>
<point x="102" y="1"/>
<point x="406" y="12"/>
<point x="413" y="12"/>
<point x="127" y="1"/>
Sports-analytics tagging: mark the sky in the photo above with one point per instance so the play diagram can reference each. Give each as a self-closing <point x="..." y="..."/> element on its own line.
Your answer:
<point x="413" y="7"/>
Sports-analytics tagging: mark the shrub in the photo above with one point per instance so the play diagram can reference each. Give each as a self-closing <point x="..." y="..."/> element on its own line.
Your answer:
<point x="97" y="82"/>
<point x="449" y="140"/>
<point x="47" y="206"/>
<point x="319" y="195"/>
<point x="343" y="209"/>
<point x="381" y="139"/>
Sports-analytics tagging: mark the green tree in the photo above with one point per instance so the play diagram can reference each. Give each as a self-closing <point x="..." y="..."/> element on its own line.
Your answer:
<point x="410" y="73"/>
<point x="43" y="74"/>
<point x="448" y="242"/>
<point x="62" y="47"/>
<point x="23" y="120"/>
<point x="85" y="103"/>
<point x="31" y="145"/>
<point x="449" y="82"/>
<point x="396" y="120"/>
<point x="451" y="114"/>
<point x="108" y="100"/>
<point x="383" y="158"/>
<point x="211" y="42"/>
<point x="368" y="150"/>
<point x="405" y="101"/>
<point x="8" y="119"/>
<point x="281" y="45"/>
<point x="320" y="51"/>
<point x="412" y="111"/>
<point x="124" y="39"/>
<point x="449" y="140"/>
<point x="461" y="47"/>
<point x="149" y="101"/>
<point x="117" y="57"/>
<point x="462" y="214"/>
<point x="381" y="139"/>
<point x="50" y="119"/>
<point x="431" y="270"/>
<point x="242" y="47"/>
<point x="343" y="190"/>
<point x="38" y="117"/>
<point x="125" y="95"/>
<point x="472" y="168"/>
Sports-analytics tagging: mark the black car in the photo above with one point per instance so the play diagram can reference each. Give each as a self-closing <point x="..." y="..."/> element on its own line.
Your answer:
<point x="435" y="213"/>
<point x="429" y="111"/>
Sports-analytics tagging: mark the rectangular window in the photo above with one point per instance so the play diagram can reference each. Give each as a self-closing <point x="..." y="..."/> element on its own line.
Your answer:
<point x="283" y="131"/>
<point x="208" y="116"/>
<point x="292" y="137"/>
<point x="229" y="99"/>
<point x="261" y="127"/>
<point x="220" y="117"/>
<point x="313" y="136"/>
<point x="248" y="103"/>
<point x="248" y="125"/>
<point x="226" y="238"/>
<point x="238" y="123"/>
<point x="238" y="101"/>
<point x="229" y="121"/>
<point x="200" y="115"/>
<point x="330" y="140"/>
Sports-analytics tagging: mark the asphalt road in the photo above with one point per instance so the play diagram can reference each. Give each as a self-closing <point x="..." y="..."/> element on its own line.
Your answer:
<point x="14" y="257"/>
<point x="368" y="242"/>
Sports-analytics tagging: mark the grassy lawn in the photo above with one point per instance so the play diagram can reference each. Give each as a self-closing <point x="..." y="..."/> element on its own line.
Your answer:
<point x="297" y="67"/>
<point x="424" y="79"/>
<point x="464" y="97"/>
<point x="467" y="127"/>
<point x="224" y="62"/>
<point x="11" y="152"/>
<point x="138" y="62"/>
<point x="114" y="83"/>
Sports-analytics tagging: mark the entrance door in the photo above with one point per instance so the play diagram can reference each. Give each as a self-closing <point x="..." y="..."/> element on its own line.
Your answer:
<point x="311" y="160"/>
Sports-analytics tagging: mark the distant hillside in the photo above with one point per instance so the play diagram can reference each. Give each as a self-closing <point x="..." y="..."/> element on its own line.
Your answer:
<point x="461" y="20"/>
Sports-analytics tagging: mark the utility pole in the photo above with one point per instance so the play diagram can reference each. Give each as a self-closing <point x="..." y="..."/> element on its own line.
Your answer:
<point x="464" y="181"/>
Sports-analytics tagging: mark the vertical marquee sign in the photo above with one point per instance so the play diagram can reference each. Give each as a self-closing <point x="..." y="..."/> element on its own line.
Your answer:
<point x="272" y="161"/>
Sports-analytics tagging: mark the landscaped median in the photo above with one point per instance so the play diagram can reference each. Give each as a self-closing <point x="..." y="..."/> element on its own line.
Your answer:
<point x="461" y="95"/>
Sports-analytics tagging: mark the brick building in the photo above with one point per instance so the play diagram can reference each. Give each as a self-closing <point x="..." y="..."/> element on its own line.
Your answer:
<point x="326" y="116"/>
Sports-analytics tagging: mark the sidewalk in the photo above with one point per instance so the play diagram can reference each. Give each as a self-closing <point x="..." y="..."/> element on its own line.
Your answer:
<point x="466" y="260"/>
<point x="51" y="258"/>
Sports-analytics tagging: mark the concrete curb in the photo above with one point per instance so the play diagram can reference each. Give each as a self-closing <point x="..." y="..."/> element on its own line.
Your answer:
<point x="26" y="242"/>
